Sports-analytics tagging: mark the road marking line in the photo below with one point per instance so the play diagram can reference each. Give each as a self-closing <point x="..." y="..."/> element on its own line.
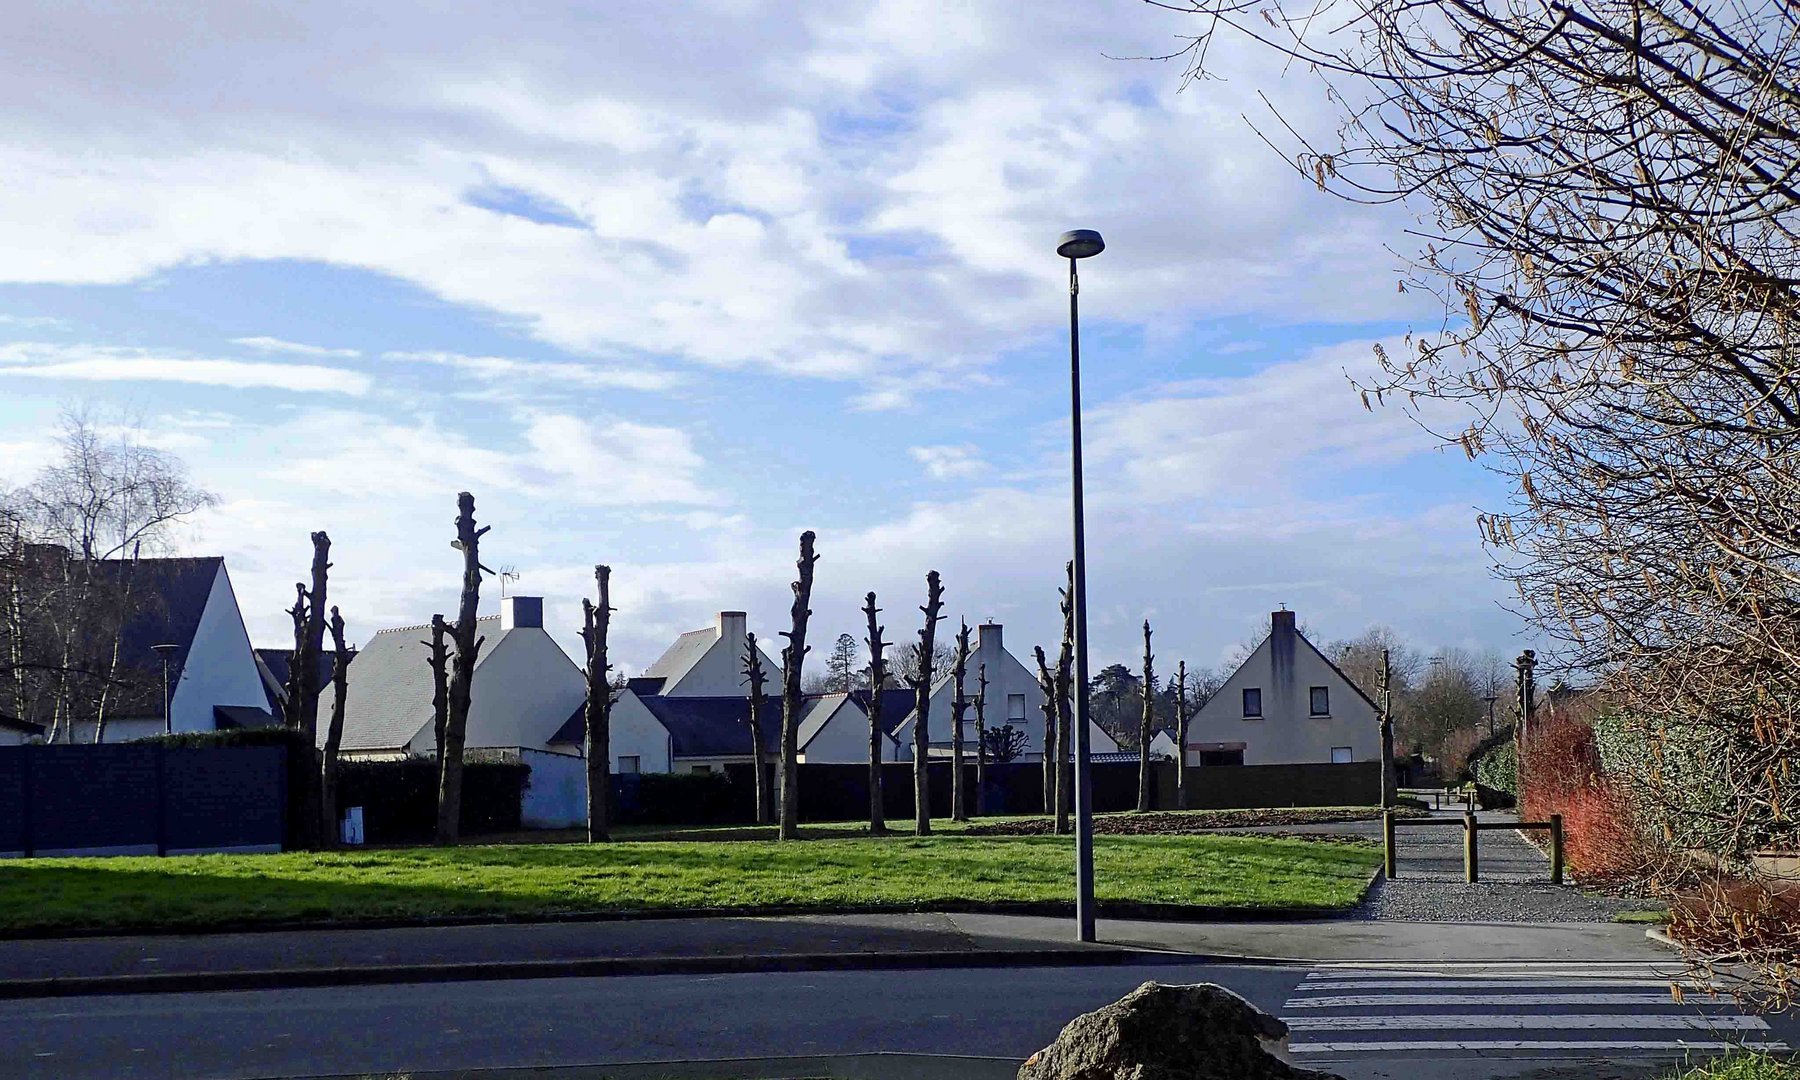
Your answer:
<point x="1365" y="1000"/>
<point x="1520" y="1021"/>
<point x="1406" y="985"/>
<point x="1527" y="1044"/>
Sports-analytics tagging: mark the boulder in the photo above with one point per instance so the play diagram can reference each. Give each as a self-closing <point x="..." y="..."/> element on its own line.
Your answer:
<point x="1160" y="1032"/>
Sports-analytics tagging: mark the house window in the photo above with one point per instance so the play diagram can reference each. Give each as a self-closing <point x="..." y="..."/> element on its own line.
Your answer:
<point x="1321" y="701"/>
<point x="701" y="769"/>
<point x="628" y="763"/>
<point x="1253" y="703"/>
<point x="1340" y="755"/>
<point x="1221" y="757"/>
<point x="1015" y="706"/>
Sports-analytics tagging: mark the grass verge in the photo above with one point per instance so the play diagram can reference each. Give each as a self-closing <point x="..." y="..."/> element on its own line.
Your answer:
<point x="1742" y="1067"/>
<point x="523" y="881"/>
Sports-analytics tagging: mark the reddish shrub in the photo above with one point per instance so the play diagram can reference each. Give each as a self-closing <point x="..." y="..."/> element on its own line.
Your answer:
<point x="1561" y="774"/>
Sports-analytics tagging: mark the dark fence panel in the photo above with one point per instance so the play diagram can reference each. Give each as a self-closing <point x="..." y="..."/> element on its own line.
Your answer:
<point x="141" y="799"/>
<point x="1234" y="787"/>
<point x="399" y="797"/>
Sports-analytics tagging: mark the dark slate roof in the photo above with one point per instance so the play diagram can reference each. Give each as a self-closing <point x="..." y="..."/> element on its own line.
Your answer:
<point x="241" y="716"/>
<point x="645" y="684"/>
<point x="277" y="661"/>
<point x="697" y="726"/>
<point x="16" y="724"/>
<point x="683" y="654"/>
<point x="168" y="597"/>
<point x="896" y="706"/>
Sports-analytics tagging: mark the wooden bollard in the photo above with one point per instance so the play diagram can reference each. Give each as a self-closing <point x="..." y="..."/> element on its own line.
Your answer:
<point x="1387" y="842"/>
<point x="1556" y="849"/>
<point x="1471" y="856"/>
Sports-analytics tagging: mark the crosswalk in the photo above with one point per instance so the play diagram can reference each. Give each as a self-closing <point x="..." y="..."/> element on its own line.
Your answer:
<point x="1624" y="1009"/>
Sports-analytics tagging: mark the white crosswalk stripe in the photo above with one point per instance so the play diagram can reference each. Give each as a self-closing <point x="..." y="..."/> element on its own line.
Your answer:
<point x="1620" y="1009"/>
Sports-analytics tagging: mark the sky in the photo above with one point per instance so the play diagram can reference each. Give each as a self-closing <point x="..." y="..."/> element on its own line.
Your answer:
<point x="663" y="284"/>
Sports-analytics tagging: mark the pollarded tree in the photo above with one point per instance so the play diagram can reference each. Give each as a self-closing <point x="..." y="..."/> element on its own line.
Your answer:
<point x="755" y="678"/>
<point x="878" y="676"/>
<point x="981" y="739"/>
<point x="1052" y="750"/>
<point x="959" y="707"/>
<point x="1145" y="722"/>
<point x="462" y="671"/>
<point x="924" y="656"/>
<point x="596" y="621"/>
<point x="334" y="731"/>
<point x="793" y="657"/>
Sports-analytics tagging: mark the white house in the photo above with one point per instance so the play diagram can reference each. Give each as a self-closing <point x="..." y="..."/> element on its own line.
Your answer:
<point x="525" y="687"/>
<point x="213" y="678"/>
<point x="1013" y="697"/>
<point x="708" y="662"/>
<point x="1287" y="703"/>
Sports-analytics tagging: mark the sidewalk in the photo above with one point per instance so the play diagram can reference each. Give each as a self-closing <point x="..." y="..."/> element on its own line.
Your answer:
<point x="92" y="965"/>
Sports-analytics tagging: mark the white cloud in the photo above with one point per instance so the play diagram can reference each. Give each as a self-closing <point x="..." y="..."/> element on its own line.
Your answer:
<point x="101" y="363"/>
<point x="295" y="348"/>
<point x="501" y="369"/>
<point x="949" y="462"/>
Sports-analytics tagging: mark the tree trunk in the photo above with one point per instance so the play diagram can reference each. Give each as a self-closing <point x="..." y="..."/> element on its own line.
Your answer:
<point x="877" y="733"/>
<point x="462" y="672"/>
<point x="1065" y="707"/>
<point x="757" y="678"/>
<point x="439" y="662"/>
<point x="334" y="733"/>
<point x="290" y="708"/>
<point x="1145" y="722"/>
<point x="959" y="707"/>
<point x="1384" y="699"/>
<point x="1052" y="775"/>
<point x="981" y="748"/>
<point x="926" y="648"/>
<point x="1181" y="736"/>
<point x="308" y="662"/>
<point x="596" y="619"/>
<point x="793" y="657"/>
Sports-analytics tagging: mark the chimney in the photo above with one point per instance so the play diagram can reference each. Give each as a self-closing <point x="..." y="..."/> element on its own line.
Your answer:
<point x="521" y="611"/>
<point x="988" y="640"/>
<point x="1281" y="623"/>
<point x="732" y="626"/>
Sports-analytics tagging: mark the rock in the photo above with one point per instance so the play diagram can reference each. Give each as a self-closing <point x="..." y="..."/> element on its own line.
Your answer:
<point x="1160" y="1032"/>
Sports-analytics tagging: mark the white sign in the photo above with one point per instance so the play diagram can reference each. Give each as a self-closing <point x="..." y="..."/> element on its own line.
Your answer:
<point x="353" y="825"/>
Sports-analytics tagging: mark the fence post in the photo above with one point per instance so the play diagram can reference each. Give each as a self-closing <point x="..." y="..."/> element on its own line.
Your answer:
<point x="1556" y="849"/>
<point x="1471" y="856"/>
<point x="1387" y="841"/>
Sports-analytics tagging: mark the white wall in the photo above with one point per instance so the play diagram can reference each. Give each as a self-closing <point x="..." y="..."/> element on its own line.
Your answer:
<point x="720" y="670"/>
<point x="845" y="739"/>
<point x="1287" y="734"/>
<point x="525" y="687"/>
<point x="635" y="731"/>
<point x="220" y="667"/>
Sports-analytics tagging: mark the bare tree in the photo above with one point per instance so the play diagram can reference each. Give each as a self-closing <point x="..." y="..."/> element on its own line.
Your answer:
<point x="1182" y="719"/>
<point x="959" y="707"/>
<point x="462" y="670"/>
<point x="924" y="655"/>
<point x="1384" y="703"/>
<point x="1145" y="724"/>
<point x="981" y="740"/>
<point x="334" y="731"/>
<point x="1005" y="743"/>
<point x="878" y="676"/>
<point x="904" y="664"/>
<point x="303" y="687"/>
<point x="1607" y="197"/>
<point x="754" y="681"/>
<point x="793" y="657"/>
<point x="1052" y="752"/>
<point x="1064" y="684"/>
<point x="596" y="621"/>
<point x="438" y="659"/>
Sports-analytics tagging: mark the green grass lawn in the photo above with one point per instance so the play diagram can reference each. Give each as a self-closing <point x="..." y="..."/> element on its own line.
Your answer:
<point x="1743" y="1067"/>
<point x="523" y="880"/>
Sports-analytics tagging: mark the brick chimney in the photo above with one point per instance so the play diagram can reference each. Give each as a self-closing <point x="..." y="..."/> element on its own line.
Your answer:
<point x="517" y="612"/>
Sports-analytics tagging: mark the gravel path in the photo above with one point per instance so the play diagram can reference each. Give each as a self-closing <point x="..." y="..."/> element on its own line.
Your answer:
<point x="1514" y="886"/>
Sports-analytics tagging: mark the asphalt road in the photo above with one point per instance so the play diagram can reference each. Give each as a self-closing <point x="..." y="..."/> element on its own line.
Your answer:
<point x="1425" y="1023"/>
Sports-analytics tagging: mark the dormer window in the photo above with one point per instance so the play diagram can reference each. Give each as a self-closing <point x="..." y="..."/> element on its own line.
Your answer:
<point x="1253" y="703"/>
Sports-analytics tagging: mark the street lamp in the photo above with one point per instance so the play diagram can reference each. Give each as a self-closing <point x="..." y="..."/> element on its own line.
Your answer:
<point x="1080" y="244"/>
<point x="165" y="651"/>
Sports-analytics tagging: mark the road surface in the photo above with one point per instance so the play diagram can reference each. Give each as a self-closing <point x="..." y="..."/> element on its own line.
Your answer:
<point x="1425" y="1022"/>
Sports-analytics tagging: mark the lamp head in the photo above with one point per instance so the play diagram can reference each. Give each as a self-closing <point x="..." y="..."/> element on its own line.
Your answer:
<point x="165" y="651"/>
<point x="1080" y="244"/>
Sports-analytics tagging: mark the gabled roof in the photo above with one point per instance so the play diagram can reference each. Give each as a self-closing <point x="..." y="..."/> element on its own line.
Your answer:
<point x="896" y="706"/>
<point x="389" y="696"/>
<point x="1332" y="664"/>
<point x="168" y="597"/>
<point x="715" y="726"/>
<point x="276" y="661"/>
<point x="682" y="655"/>
<point x="817" y="711"/>
<point x="644" y="684"/>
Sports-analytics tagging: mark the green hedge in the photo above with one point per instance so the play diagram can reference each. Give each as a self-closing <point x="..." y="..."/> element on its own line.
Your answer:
<point x="1498" y="768"/>
<point x="682" y="799"/>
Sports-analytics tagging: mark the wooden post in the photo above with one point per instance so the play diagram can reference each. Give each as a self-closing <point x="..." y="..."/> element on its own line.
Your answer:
<point x="1556" y="849"/>
<point x="1471" y="856"/>
<point x="1387" y="843"/>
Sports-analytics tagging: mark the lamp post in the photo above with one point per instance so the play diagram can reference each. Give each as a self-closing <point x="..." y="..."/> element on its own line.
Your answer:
<point x="164" y="652"/>
<point x="1080" y="244"/>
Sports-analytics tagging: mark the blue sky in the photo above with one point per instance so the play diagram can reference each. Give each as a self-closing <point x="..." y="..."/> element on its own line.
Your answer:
<point x="665" y="284"/>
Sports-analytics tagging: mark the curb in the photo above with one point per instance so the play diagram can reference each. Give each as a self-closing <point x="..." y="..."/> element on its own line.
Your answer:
<point x="1138" y="912"/>
<point x="305" y="978"/>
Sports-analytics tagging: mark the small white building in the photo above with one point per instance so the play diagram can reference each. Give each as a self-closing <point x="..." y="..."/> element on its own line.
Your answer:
<point x="708" y="662"/>
<point x="1287" y="703"/>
